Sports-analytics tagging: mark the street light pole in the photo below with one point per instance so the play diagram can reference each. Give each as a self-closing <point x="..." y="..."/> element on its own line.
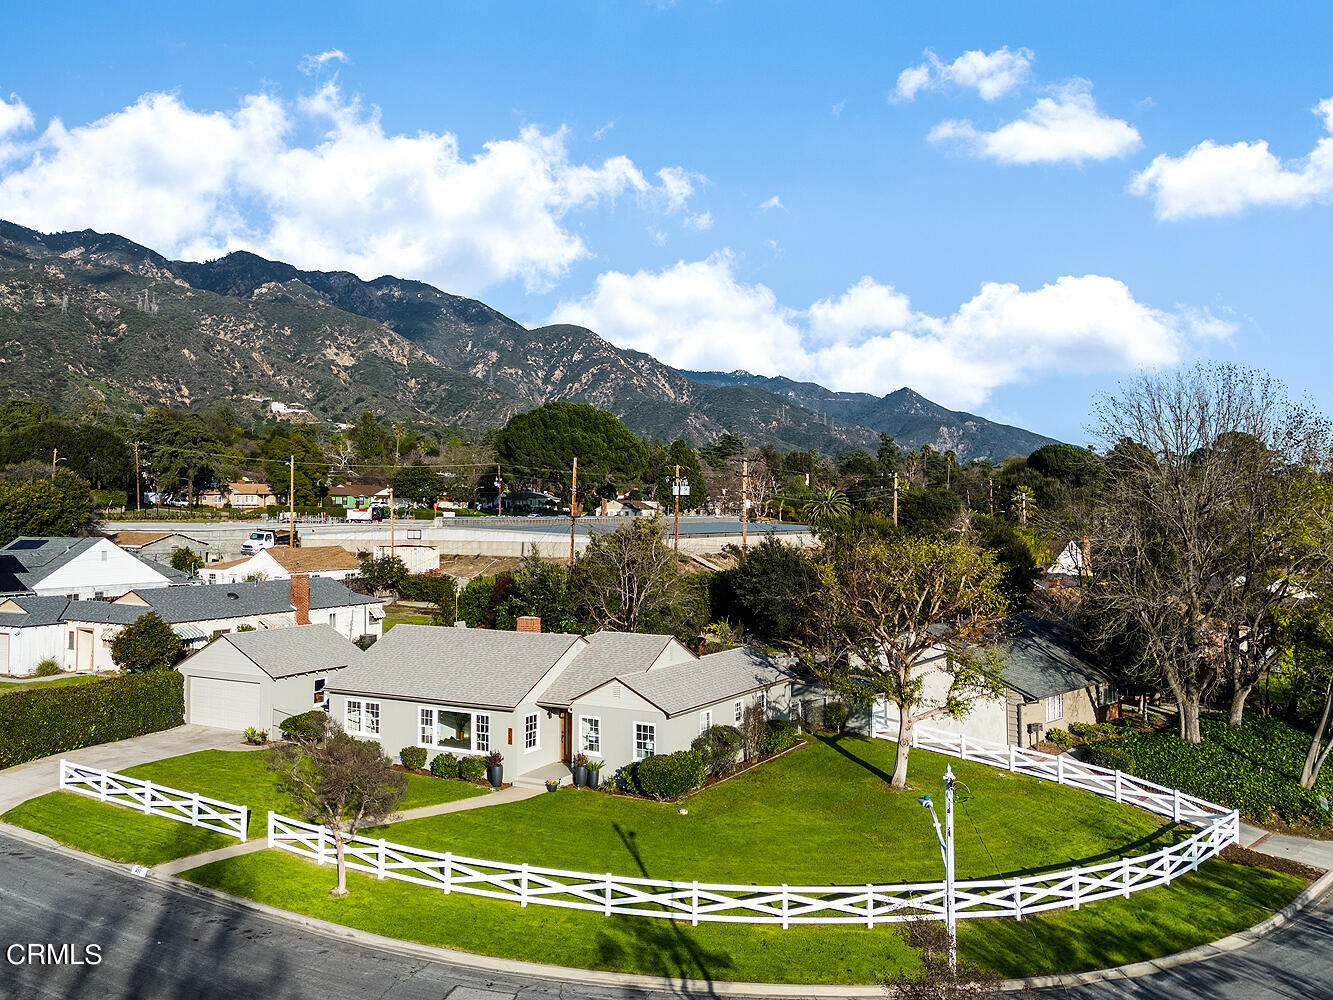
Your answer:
<point x="945" y="838"/>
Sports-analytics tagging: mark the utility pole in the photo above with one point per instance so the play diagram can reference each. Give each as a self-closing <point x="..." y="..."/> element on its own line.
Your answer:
<point x="895" y="499"/>
<point x="499" y="492"/>
<point x="745" y="502"/>
<point x="990" y="490"/>
<point x="1023" y="510"/>
<point x="53" y="463"/>
<point x="391" y="513"/>
<point x="137" y="477"/>
<point x="675" y="495"/>
<point x="573" y="509"/>
<point x="291" y="502"/>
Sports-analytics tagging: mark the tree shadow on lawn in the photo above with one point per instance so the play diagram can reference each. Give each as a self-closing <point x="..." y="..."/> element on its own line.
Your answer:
<point x="657" y="945"/>
<point x="835" y="743"/>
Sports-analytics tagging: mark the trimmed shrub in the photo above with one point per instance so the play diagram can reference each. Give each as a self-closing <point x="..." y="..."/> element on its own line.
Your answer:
<point x="778" y="735"/>
<point x="719" y="748"/>
<point x="435" y="588"/>
<point x="444" y="765"/>
<point x="835" y="716"/>
<point x="1084" y="730"/>
<point x="669" y="776"/>
<point x="1058" y="736"/>
<point x="47" y="668"/>
<point x="472" y="769"/>
<point x="413" y="758"/>
<point x="306" y="726"/>
<point x="43" y="720"/>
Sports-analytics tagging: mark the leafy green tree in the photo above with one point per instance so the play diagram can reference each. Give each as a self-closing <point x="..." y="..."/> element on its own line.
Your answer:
<point x="16" y="414"/>
<point x="418" y="484"/>
<point x="542" y="589"/>
<point x="1018" y="551"/>
<point x="680" y="453"/>
<point x="889" y="456"/>
<point x="311" y="466"/>
<point x="96" y="453"/>
<point x="768" y="589"/>
<point x="1070" y="465"/>
<point x="723" y="450"/>
<point x="186" y="560"/>
<point x="369" y="439"/>
<point x="857" y="463"/>
<point x="183" y="452"/>
<point x="475" y="602"/>
<point x="62" y="506"/>
<point x="541" y="445"/>
<point x="1305" y="653"/>
<point x="383" y="575"/>
<point x="827" y="507"/>
<point x="884" y="611"/>
<point x="147" y="643"/>
<point x="627" y="580"/>
<point x="929" y="511"/>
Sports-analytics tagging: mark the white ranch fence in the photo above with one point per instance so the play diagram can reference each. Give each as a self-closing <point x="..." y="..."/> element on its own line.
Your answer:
<point x="155" y="800"/>
<point x="805" y="904"/>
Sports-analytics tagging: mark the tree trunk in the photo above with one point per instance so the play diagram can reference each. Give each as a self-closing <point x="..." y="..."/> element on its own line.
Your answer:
<point x="341" y="846"/>
<point x="1189" y="718"/>
<point x="905" y="726"/>
<point x="1240" y="692"/>
<point x="1314" y="759"/>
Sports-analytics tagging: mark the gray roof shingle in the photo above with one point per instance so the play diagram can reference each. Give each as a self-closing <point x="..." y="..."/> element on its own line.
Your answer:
<point x="233" y="600"/>
<point x="36" y="611"/>
<point x="29" y="559"/>
<point x="609" y="654"/>
<point x="1045" y="660"/>
<point x="301" y="649"/>
<point x="471" y="668"/>
<point x="708" y="680"/>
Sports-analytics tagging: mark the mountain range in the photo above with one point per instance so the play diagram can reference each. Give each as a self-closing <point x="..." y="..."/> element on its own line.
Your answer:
<point x="86" y="315"/>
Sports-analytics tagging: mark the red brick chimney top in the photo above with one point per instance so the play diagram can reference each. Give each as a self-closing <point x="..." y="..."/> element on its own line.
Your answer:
<point x="529" y="623"/>
<point x="301" y="597"/>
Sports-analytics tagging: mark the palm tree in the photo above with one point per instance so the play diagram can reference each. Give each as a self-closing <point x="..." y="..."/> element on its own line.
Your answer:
<point x="950" y="457"/>
<point x="827" y="507"/>
<point x="926" y="452"/>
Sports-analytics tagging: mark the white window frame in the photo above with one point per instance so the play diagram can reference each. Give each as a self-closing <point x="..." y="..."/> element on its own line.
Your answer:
<point x="705" y="721"/>
<point x="740" y="710"/>
<point x="594" y="751"/>
<point x="363" y="706"/>
<point x="480" y="730"/>
<point x="536" y="735"/>
<point x="321" y="695"/>
<point x="651" y="727"/>
<point x="1055" y="707"/>
<point x="763" y="703"/>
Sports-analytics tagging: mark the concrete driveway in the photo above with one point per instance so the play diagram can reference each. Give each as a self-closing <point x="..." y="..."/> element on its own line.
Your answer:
<point x="37" y="777"/>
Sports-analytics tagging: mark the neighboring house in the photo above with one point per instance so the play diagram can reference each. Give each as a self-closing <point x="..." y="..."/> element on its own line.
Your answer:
<point x="539" y="698"/>
<point x="243" y="495"/>
<point x="159" y="545"/>
<point x="81" y="632"/>
<point x="1071" y="566"/>
<point x="331" y="562"/>
<point x="358" y="495"/>
<point x="1049" y="682"/>
<point x="78" y="568"/>
<point x="629" y="508"/>
<point x="261" y="678"/>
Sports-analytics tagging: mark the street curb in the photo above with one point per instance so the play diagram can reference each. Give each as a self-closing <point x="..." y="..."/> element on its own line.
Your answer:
<point x="675" y="987"/>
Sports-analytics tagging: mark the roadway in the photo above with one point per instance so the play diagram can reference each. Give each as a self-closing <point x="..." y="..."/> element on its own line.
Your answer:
<point x="159" y="942"/>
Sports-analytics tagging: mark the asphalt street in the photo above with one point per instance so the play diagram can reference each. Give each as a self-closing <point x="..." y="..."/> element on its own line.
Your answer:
<point x="156" y="942"/>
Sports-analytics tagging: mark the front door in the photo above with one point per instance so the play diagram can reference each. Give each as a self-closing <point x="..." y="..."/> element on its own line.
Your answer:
<point x="564" y="737"/>
<point x="83" y="653"/>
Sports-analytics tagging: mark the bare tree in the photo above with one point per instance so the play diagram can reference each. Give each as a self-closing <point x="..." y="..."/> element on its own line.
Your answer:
<point x="627" y="577"/>
<point x="892" y="612"/>
<point x="341" y="453"/>
<point x="1207" y="523"/>
<point x="341" y="782"/>
<point x="937" y="981"/>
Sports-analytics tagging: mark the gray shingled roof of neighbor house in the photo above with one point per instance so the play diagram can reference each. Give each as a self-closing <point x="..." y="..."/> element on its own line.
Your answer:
<point x="103" y="612"/>
<point x="609" y="654"/>
<point x="233" y="600"/>
<point x="474" y="668"/>
<point x="300" y="649"/>
<point x="1044" y="660"/>
<point x="28" y="560"/>
<point x="707" y="680"/>
<point x="36" y="611"/>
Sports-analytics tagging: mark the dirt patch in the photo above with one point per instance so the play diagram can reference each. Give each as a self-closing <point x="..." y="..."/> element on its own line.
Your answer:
<point x="1238" y="855"/>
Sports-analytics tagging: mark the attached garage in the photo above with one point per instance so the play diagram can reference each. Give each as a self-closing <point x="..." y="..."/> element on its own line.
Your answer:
<point x="261" y="677"/>
<point x="224" y="703"/>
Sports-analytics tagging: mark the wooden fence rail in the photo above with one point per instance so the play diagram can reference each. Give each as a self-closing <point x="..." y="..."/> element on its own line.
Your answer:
<point x="155" y="800"/>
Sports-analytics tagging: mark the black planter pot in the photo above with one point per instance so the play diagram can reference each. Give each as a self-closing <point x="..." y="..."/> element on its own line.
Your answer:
<point x="495" y="775"/>
<point x="594" y="778"/>
<point x="580" y="776"/>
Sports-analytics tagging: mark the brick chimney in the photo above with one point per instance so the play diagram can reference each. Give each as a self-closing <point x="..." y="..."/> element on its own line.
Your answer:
<point x="301" y="597"/>
<point x="529" y="623"/>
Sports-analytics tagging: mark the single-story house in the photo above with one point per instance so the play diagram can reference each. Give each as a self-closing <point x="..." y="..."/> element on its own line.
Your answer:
<point x="1049" y="682"/>
<point x="358" y="495"/>
<point x="260" y="678"/>
<point x="629" y="508"/>
<point x="244" y="494"/>
<point x="540" y="698"/>
<point x="159" y="545"/>
<point x="332" y="562"/>
<point x="1071" y="567"/>
<point x="80" y="633"/>
<point x="78" y="568"/>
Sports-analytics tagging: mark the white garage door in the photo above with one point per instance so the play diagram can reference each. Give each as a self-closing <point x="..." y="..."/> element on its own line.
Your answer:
<point x="224" y="704"/>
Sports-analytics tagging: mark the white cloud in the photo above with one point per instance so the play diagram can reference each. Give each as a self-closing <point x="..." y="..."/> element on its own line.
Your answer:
<point x="600" y="133"/>
<point x="311" y="65"/>
<point x="701" y="315"/>
<point x="838" y="108"/>
<point x="1213" y="180"/>
<point x="14" y="116"/>
<point x="991" y="74"/>
<point x="771" y="203"/>
<point x="699" y="221"/>
<point x="1063" y="128"/>
<point x="198" y="184"/>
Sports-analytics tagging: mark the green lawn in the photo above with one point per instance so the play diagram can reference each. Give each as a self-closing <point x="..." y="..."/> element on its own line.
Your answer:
<point x="120" y="833"/>
<point x="8" y="686"/>
<point x="1218" y="900"/>
<point x="823" y="814"/>
<point x="391" y="620"/>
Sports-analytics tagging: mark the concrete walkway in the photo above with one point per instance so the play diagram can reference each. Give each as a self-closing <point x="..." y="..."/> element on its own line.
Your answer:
<point x="37" y="777"/>
<point x="1282" y="845"/>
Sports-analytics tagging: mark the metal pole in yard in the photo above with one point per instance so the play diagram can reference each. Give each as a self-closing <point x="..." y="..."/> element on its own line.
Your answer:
<point x="950" y="917"/>
<point x="573" y="510"/>
<point x="291" y="503"/>
<point x="675" y="490"/>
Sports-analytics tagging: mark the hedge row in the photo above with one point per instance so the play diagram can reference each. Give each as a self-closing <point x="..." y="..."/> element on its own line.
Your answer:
<point x="41" y="721"/>
<point x="668" y="776"/>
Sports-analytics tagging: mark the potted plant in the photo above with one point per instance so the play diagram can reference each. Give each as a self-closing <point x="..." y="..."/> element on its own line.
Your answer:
<point x="595" y="772"/>
<point x="256" y="737"/>
<point x="579" y="767"/>
<point x="495" y="772"/>
<point x="552" y="784"/>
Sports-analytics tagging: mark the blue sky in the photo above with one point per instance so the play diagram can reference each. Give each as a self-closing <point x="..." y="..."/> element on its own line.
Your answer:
<point x="730" y="184"/>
